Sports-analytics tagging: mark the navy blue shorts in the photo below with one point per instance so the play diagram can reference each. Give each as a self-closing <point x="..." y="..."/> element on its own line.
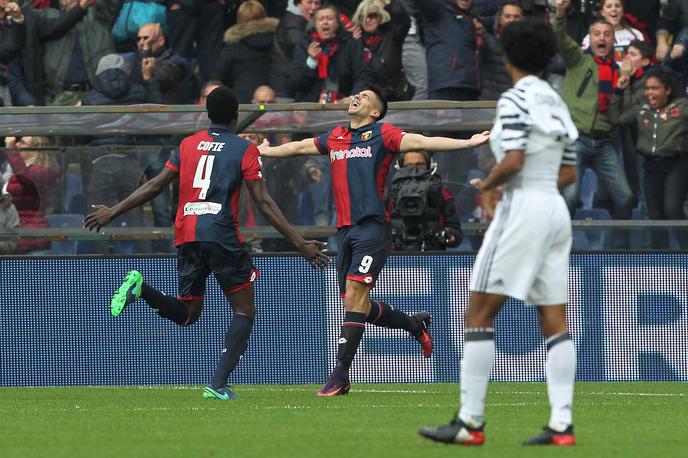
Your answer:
<point x="362" y="252"/>
<point x="233" y="269"/>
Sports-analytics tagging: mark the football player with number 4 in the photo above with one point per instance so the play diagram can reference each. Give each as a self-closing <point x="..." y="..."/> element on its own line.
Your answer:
<point x="211" y="166"/>
<point x="360" y="156"/>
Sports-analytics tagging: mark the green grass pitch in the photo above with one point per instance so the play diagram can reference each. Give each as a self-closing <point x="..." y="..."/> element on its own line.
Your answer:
<point x="374" y="420"/>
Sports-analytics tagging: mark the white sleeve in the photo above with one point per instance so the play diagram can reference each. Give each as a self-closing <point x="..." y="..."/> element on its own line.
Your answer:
<point x="513" y="114"/>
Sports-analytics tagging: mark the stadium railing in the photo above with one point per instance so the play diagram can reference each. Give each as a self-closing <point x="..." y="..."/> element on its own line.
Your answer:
<point x="67" y="124"/>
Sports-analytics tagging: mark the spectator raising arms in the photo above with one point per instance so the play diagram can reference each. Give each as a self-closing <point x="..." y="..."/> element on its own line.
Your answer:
<point x="612" y="11"/>
<point x="70" y="60"/>
<point x="246" y="54"/>
<point x="384" y="31"/>
<point x="450" y="41"/>
<point x="328" y="64"/>
<point x="30" y="175"/>
<point x="590" y="80"/>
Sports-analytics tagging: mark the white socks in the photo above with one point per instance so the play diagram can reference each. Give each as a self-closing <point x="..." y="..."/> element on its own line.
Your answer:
<point x="561" y="373"/>
<point x="476" y="365"/>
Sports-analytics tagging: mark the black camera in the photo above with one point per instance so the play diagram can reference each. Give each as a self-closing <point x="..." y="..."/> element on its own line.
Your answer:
<point x="415" y="196"/>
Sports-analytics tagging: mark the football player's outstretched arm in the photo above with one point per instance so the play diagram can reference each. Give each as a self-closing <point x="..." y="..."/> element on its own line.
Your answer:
<point x="151" y="188"/>
<point x="309" y="249"/>
<point x="418" y="142"/>
<point x="304" y="147"/>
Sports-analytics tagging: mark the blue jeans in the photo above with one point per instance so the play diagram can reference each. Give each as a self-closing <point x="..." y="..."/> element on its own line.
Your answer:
<point x="599" y="156"/>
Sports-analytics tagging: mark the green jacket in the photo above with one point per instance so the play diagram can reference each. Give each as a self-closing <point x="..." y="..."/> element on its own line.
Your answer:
<point x="94" y="33"/>
<point x="662" y="132"/>
<point x="580" y="84"/>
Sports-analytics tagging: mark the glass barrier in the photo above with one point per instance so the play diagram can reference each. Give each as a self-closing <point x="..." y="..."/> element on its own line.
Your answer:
<point x="66" y="159"/>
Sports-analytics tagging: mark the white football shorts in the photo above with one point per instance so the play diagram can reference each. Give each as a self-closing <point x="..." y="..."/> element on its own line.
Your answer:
<point x="525" y="253"/>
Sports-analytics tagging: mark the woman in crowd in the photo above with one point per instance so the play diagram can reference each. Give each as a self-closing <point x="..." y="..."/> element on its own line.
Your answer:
<point x="662" y="122"/>
<point x="612" y="11"/>
<point x="30" y="174"/>
<point x="385" y="24"/>
<point x="245" y="58"/>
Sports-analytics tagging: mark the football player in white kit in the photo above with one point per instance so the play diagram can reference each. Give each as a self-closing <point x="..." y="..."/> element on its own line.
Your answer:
<point x="525" y="253"/>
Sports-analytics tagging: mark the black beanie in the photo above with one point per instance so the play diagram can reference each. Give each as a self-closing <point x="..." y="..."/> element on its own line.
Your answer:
<point x="222" y="105"/>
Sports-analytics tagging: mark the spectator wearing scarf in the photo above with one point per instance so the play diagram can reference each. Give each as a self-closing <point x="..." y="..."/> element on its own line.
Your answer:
<point x="328" y="65"/>
<point x="587" y="90"/>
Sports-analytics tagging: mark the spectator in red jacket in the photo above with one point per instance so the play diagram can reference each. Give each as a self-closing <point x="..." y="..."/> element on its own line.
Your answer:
<point x="32" y="173"/>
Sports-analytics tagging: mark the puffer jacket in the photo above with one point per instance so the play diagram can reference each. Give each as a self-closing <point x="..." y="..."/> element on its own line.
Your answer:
<point x="27" y="185"/>
<point x="244" y="62"/>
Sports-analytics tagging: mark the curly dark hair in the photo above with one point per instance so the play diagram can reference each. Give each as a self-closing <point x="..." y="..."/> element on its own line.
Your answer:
<point x="529" y="45"/>
<point x="668" y="79"/>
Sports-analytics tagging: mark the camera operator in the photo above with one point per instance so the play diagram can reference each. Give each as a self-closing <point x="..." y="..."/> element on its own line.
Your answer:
<point x="423" y="212"/>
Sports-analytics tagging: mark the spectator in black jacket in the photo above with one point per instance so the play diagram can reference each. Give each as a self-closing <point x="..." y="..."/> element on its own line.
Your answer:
<point x="493" y="76"/>
<point x="450" y="40"/>
<point x="245" y="59"/>
<point x="169" y="68"/>
<point x="328" y="64"/>
<point x="384" y="31"/>
<point x="288" y="35"/>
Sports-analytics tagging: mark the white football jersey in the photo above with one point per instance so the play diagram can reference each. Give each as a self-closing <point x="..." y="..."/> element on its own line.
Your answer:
<point x="532" y="117"/>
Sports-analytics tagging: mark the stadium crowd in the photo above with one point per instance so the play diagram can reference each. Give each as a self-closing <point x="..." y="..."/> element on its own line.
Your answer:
<point x="115" y="52"/>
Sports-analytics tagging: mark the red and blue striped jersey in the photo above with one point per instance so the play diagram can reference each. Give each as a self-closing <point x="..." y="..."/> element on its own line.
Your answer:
<point x="211" y="166"/>
<point x="360" y="160"/>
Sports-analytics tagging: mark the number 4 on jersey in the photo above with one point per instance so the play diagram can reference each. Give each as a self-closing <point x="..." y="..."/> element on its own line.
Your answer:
<point x="202" y="177"/>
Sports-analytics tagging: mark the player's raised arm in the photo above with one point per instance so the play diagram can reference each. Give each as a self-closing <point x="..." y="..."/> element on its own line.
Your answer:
<point x="304" y="147"/>
<point x="309" y="249"/>
<point x="418" y="142"/>
<point x="104" y="215"/>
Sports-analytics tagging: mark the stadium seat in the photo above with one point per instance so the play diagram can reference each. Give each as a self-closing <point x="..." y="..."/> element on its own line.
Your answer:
<point x="596" y="237"/>
<point x="64" y="220"/>
<point x="588" y="189"/>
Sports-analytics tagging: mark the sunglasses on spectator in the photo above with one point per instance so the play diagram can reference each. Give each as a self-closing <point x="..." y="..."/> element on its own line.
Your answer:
<point x="371" y="16"/>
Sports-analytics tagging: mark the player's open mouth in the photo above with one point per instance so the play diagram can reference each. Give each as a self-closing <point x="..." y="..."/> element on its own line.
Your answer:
<point x="354" y="104"/>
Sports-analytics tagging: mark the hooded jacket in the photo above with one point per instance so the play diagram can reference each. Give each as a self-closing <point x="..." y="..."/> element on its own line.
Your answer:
<point x="244" y="62"/>
<point x="114" y="87"/>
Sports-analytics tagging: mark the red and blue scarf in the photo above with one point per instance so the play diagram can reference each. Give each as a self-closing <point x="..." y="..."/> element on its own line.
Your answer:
<point x="607" y="75"/>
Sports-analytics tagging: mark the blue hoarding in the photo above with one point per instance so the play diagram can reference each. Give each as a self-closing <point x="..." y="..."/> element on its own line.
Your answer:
<point x="628" y="316"/>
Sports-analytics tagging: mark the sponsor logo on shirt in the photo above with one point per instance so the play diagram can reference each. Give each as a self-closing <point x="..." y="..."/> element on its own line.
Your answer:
<point x="202" y="208"/>
<point x="350" y="153"/>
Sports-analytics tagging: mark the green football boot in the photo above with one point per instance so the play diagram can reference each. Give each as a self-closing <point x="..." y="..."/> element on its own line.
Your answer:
<point x="223" y="394"/>
<point x="128" y="292"/>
